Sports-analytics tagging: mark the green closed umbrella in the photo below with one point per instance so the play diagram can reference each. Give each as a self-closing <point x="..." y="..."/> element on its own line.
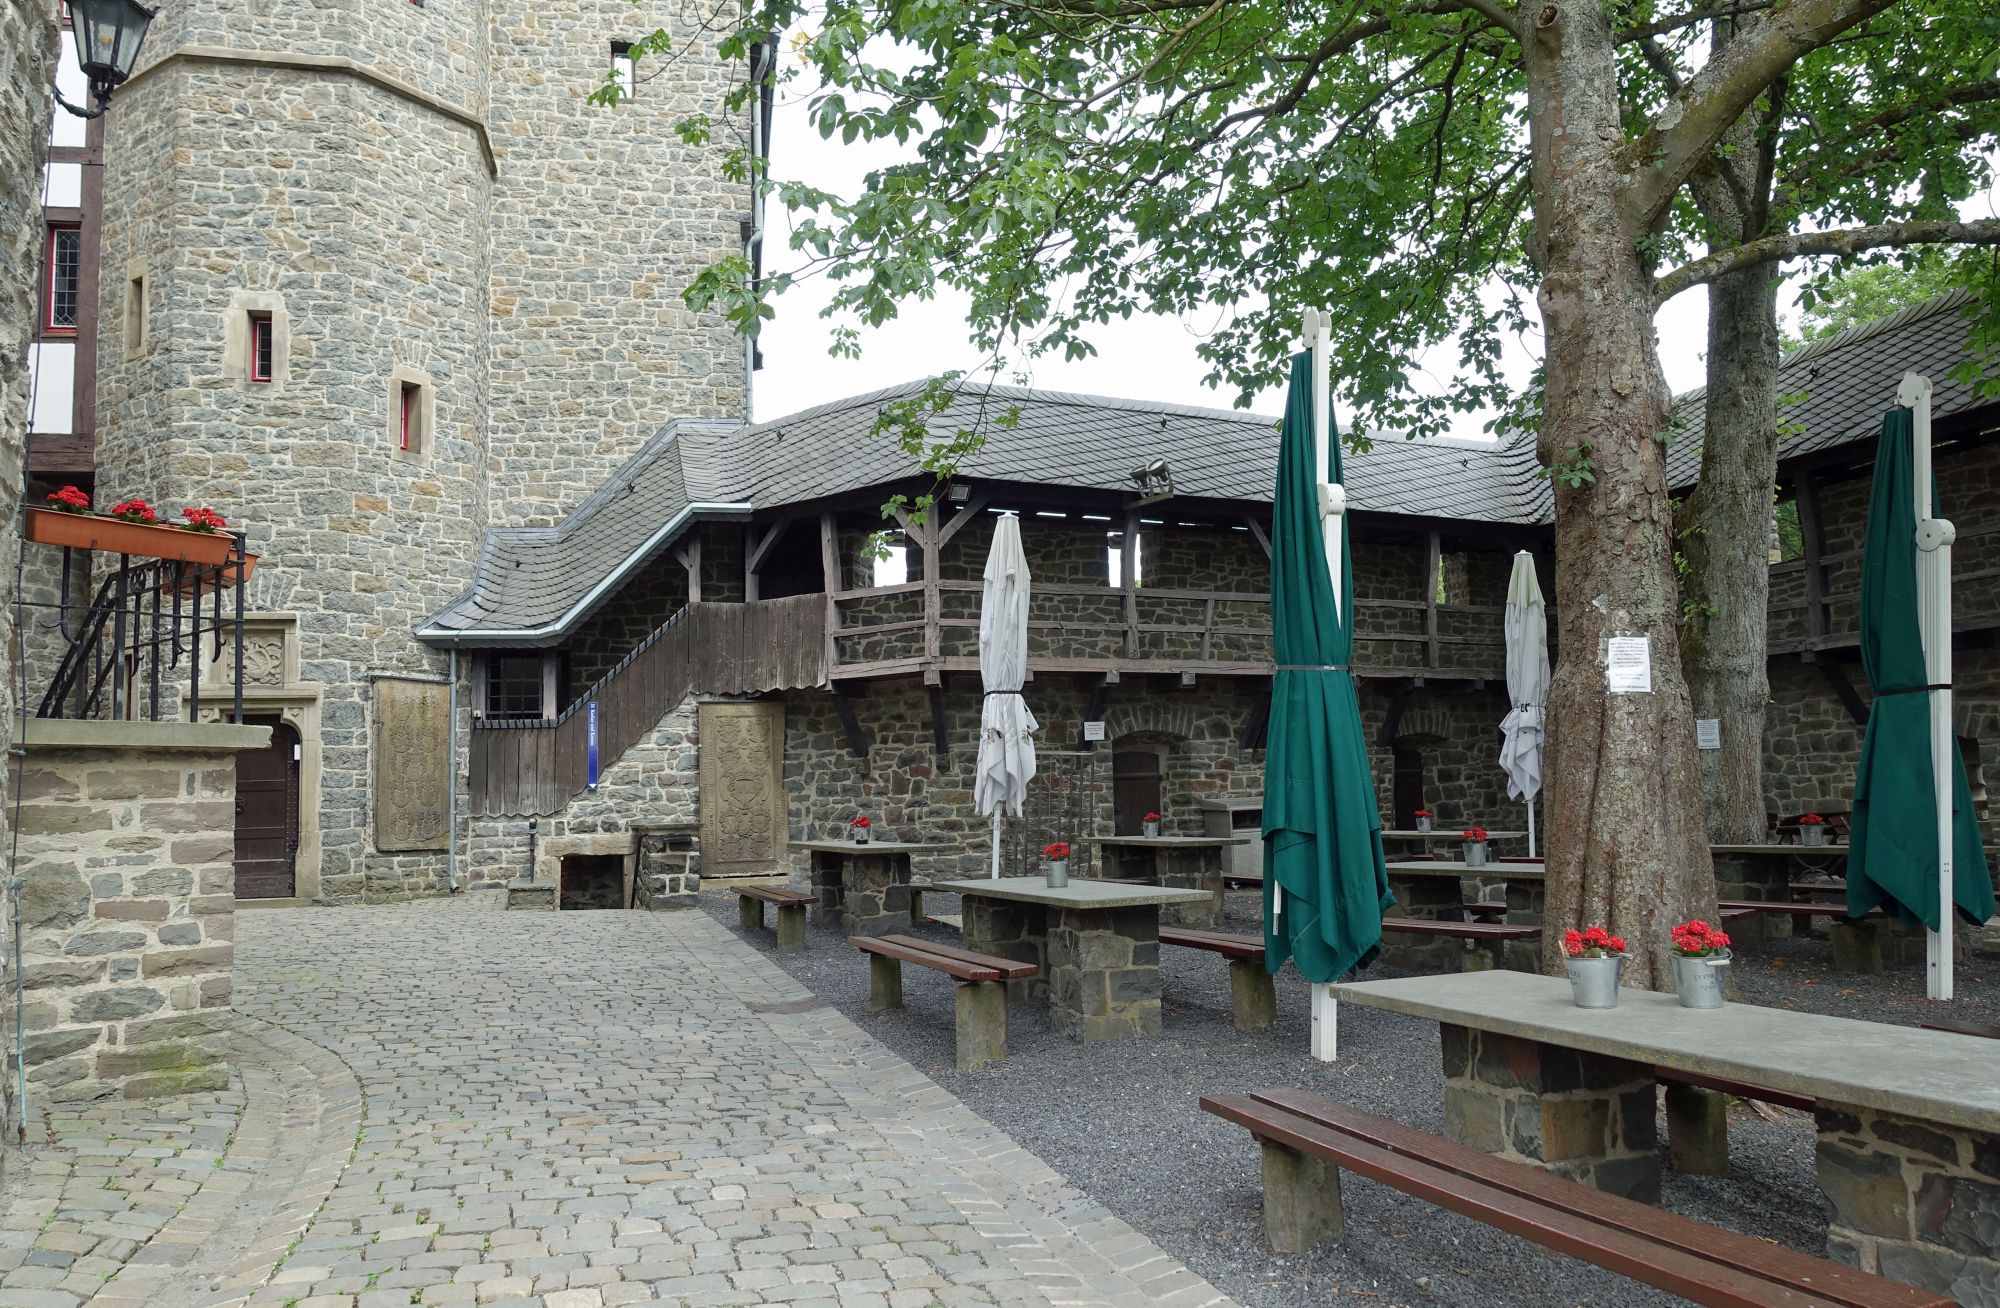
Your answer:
<point x="1324" y="884"/>
<point x="1892" y="861"/>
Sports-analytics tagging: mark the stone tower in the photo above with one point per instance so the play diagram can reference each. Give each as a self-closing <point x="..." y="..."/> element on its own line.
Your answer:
<point x="376" y="276"/>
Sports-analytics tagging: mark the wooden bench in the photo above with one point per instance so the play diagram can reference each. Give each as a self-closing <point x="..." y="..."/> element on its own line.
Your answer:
<point x="982" y="991"/>
<point x="1981" y="1029"/>
<point x="1857" y="941"/>
<point x="1489" y="939"/>
<point x="1252" y="995"/>
<point x="1308" y="1140"/>
<point x="750" y="901"/>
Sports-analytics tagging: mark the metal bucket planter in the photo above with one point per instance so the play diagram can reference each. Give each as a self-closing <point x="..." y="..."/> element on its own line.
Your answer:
<point x="1423" y="825"/>
<point x="1700" y="980"/>
<point x="1812" y="833"/>
<point x="1057" y="873"/>
<point x="1475" y="853"/>
<point x="859" y="835"/>
<point x="1593" y="982"/>
<point x="1150" y="830"/>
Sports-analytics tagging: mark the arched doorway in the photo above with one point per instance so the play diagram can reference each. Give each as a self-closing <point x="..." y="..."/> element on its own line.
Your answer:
<point x="267" y="815"/>
<point x="1138" y="787"/>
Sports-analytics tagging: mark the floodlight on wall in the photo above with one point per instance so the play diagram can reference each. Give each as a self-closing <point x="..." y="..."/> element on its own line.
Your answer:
<point x="1155" y="481"/>
<point x="959" y="493"/>
<point x="108" y="36"/>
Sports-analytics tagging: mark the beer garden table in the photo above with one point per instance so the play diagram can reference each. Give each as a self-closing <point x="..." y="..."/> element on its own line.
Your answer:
<point x="864" y="889"/>
<point x="1435" y="889"/>
<point x="1189" y="862"/>
<point x="1096" y="945"/>
<point x="1908" y="1120"/>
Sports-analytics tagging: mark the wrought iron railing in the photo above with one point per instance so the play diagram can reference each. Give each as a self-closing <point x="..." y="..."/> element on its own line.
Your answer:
<point x="134" y="651"/>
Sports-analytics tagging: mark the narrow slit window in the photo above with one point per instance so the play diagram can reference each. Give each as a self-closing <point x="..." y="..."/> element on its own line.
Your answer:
<point x="625" y="67"/>
<point x="260" y="347"/>
<point x="65" y="278"/>
<point x="135" y="312"/>
<point x="411" y="417"/>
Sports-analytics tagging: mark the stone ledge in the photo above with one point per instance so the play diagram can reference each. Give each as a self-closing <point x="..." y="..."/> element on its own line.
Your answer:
<point x="202" y="737"/>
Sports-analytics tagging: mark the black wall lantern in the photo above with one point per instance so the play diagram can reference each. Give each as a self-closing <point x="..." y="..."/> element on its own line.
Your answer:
<point x="108" y="36"/>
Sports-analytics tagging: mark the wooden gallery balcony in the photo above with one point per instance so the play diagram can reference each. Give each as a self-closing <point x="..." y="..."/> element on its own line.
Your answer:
<point x="931" y="628"/>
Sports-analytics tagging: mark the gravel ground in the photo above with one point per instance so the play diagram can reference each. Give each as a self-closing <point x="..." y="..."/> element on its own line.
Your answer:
<point x="1121" y="1122"/>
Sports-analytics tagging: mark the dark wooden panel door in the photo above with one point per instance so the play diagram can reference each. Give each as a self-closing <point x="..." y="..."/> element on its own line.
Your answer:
<point x="1136" y="788"/>
<point x="267" y="816"/>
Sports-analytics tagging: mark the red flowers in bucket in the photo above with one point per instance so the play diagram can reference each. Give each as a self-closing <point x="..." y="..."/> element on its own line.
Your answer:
<point x="1697" y="939"/>
<point x="1592" y="942"/>
<point x="1474" y="835"/>
<point x="1150" y="817"/>
<point x="1056" y="852"/>
<point x="861" y="821"/>
<point x="1811" y="820"/>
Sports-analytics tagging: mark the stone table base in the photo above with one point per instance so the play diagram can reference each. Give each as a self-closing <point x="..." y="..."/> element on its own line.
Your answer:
<point x="1104" y="972"/>
<point x="863" y="891"/>
<point x="1013" y="931"/>
<point x="1432" y="898"/>
<point x="1585" y="1116"/>
<point x="1182" y="866"/>
<point x="1913" y="1201"/>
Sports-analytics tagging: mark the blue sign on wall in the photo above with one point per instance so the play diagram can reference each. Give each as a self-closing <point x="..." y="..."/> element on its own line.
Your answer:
<point x="592" y="747"/>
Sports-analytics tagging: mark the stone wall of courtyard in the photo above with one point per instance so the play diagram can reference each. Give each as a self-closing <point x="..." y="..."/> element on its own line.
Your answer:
<point x="128" y="906"/>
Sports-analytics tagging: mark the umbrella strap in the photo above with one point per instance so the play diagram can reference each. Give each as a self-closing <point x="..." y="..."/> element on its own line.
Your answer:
<point x="1314" y="667"/>
<point x="991" y="693"/>
<point x="1914" y="690"/>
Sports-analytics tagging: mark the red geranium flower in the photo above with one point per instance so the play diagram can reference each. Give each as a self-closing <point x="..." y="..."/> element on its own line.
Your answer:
<point x="1592" y="942"/>
<point x="1811" y="820"/>
<point x="207" y="521"/>
<point x="1056" y="852"/>
<point x="1474" y="834"/>
<point x="1697" y="939"/>
<point x="134" y="510"/>
<point x="71" y="500"/>
<point x="861" y="821"/>
<point x="1150" y="817"/>
<point x="1423" y="812"/>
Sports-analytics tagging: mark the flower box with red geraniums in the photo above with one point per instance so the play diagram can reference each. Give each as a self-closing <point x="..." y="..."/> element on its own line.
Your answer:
<point x="1700" y="953"/>
<point x="138" y="539"/>
<point x="206" y="521"/>
<point x="70" y="499"/>
<point x="1595" y="958"/>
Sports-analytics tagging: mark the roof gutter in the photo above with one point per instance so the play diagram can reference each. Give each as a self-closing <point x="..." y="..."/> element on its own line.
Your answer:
<point x="476" y="637"/>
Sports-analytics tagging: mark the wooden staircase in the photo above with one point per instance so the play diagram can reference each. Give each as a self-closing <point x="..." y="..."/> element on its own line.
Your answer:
<point x="531" y="769"/>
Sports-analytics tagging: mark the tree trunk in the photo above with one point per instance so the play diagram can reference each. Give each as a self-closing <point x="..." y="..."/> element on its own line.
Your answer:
<point x="1726" y="539"/>
<point x="1625" y="844"/>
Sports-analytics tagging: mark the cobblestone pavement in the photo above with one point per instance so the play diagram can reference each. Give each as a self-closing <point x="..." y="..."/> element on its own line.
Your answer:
<point x="581" y="1109"/>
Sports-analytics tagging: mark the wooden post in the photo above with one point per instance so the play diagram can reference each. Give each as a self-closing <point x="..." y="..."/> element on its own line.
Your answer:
<point x="1812" y="537"/>
<point x="1128" y="581"/>
<point x="1433" y="568"/>
<point x="755" y="546"/>
<point x="689" y="556"/>
<point x="829" y="562"/>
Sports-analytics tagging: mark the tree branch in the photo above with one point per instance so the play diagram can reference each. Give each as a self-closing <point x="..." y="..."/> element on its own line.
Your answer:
<point x="1690" y="124"/>
<point x="1842" y="242"/>
<point x="1660" y="27"/>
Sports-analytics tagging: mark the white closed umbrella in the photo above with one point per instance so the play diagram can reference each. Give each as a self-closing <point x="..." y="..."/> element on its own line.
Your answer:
<point x="1006" y="727"/>
<point x="1525" y="623"/>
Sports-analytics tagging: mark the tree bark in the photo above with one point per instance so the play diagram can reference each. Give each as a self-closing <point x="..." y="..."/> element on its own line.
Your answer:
<point x="1625" y="841"/>
<point x="1726" y="540"/>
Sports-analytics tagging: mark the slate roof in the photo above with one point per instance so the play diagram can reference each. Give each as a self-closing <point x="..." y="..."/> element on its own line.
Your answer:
<point x="1850" y="378"/>
<point x="532" y="586"/>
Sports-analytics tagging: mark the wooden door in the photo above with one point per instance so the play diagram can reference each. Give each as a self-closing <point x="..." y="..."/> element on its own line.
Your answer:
<point x="744" y="816"/>
<point x="267" y="816"/>
<point x="1136" y="789"/>
<point x="1407" y="793"/>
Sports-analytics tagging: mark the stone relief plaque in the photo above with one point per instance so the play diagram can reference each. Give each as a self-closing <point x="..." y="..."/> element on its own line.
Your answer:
<point x="744" y="823"/>
<point x="411" y="777"/>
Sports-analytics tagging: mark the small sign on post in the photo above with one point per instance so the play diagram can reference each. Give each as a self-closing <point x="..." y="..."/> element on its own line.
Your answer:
<point x="1093" y="731"/>
<point x="590" y="748"/>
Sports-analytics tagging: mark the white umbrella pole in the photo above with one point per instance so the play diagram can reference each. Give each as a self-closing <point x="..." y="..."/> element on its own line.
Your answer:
<point x="1332" y="505"/>
<point x="1530" y="806"/>
<point x="1934" y="537"/>
<point x="996" y="844"/>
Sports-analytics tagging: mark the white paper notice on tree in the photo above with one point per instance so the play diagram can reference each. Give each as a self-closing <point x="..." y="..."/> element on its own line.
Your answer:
<point x="1628" y="665"/>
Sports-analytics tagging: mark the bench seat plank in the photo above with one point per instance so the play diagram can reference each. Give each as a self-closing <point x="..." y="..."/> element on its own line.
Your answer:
<point x="1690" y="1258"/>
<point x="1741" y="1089"/>
<point x="1009" y="969"/>
<point x="779" y="895"/>
<point x="1789" y="906"/>
<point x="1979" y="1029"/>
<point x="1423" y="926"/>
<point x="1215" y="942"/>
